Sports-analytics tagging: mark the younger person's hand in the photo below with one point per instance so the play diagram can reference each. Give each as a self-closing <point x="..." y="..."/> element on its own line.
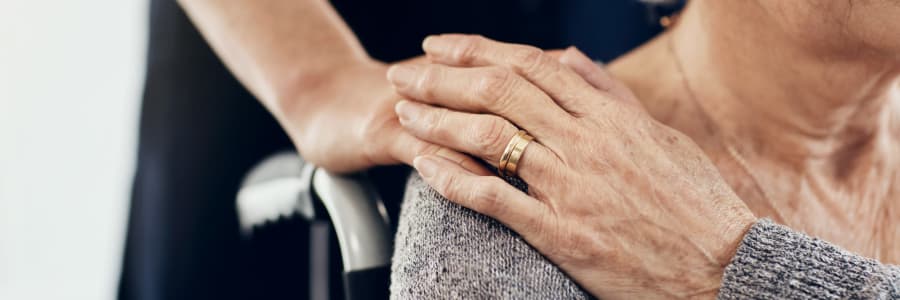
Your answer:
<point x="347" y="122"/>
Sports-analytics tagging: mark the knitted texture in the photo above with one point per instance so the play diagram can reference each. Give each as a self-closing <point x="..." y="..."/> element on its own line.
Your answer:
<point x="444" y="251"/>
<point x="774" y="262"/>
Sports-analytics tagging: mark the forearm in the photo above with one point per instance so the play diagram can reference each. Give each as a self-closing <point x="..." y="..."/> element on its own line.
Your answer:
<point x="774" y="262"/>
<point x="277" y="48"/>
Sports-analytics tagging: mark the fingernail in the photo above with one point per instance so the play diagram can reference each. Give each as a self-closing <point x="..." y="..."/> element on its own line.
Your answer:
<point x="426" y="166"/>
<point x="401" y="75"/>
<point x="434" y="43"/>
<point x="407" y="111"/>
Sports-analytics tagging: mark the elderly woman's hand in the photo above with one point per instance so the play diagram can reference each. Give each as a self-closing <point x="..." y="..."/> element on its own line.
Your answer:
<point x="626" y="206"/>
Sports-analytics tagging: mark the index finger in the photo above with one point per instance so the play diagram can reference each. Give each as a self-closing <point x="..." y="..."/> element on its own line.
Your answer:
<point x="565" y="86"/>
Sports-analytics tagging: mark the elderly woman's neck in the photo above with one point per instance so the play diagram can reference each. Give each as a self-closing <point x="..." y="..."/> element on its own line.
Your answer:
<point x="785" y="94"/>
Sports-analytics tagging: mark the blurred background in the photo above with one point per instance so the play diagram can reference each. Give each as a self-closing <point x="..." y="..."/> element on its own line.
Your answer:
<point x="70" y="82"/>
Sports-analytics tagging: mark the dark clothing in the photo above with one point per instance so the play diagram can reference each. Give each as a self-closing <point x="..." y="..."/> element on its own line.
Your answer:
<point x="201" y="131"/>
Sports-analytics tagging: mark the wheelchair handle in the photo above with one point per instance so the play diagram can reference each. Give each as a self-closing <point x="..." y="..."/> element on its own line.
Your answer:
<point x="359" y="218"/>
<point x="284" y="185"/>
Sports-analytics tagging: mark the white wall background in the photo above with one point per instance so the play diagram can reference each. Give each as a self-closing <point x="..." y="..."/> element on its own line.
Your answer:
<point x="70" y="81"/>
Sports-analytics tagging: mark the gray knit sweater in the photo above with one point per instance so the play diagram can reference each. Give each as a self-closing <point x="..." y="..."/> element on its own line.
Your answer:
<point x="444" y="251"/>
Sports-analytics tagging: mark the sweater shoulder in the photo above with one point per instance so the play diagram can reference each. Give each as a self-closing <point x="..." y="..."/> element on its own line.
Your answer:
<point x="443" y="250"/>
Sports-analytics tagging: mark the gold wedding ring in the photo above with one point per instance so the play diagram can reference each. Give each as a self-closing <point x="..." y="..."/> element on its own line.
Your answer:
<point x="509" y="160"/>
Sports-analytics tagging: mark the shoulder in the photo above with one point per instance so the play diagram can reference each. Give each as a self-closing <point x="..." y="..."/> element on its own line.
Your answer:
<point x="442" y="250"/>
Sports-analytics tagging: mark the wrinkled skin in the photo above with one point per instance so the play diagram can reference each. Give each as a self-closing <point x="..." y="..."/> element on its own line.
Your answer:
<point x="627" y="206"/>
<point x="808" y="93"/>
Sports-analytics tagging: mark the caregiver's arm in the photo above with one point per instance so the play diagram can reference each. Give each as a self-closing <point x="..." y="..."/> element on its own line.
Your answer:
<point x="627" y="207"/>
<point x="278" y="48"/>
<point x="305" y="65"/>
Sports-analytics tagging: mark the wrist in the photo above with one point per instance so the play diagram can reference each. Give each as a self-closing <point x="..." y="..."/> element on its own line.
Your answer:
<point x="303" y="88"/>
<point x="734" y="233"/>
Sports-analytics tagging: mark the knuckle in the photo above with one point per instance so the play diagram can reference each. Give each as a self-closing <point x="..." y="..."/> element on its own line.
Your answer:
<point x="495" y="87"/>
<point x="317" y="147"/>
<point x="310" y="149"/>
<point x="428" y="81"/>
<point x="449" y="187"/>
<point x="489" y="137"/>
<point x="544" y="226"/>
<point x="537" y="226"/>
<point x="529" y="60"/>
<point x="600" y="248"/>
<point x="433" y="121"/>
<point x="467" y="49"/>
<point x="583" y="248"/>
<point x="486" y="195"/>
